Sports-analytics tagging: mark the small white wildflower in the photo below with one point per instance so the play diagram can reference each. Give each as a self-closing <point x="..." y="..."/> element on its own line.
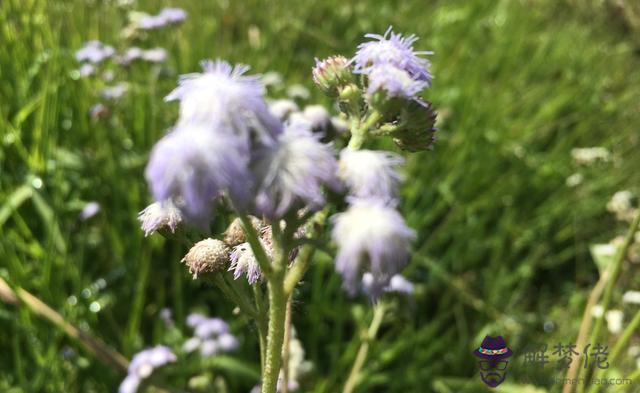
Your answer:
<point x="590" y="155"/>
<point x="614" y="321"/>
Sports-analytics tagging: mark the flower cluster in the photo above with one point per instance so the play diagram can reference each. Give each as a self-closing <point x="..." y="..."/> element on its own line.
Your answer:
<point x="94" y="54"/>
<point x="166" y="17"/>
<point x="211" y="336"/>
<point x="143" y="365"/>
<point x="228" y="144"/>
<point x="277" y="168"/>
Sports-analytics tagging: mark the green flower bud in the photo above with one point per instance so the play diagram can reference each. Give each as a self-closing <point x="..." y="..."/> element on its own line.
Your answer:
<point x="331" y="75"/>
<point x="415" y="127"/>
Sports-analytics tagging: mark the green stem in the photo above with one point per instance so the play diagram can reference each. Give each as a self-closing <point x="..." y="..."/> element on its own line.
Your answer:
<point x="239" y="300"/>
<point x="301" y="264"/>
<point x="359" y="134"/>
<point x="262" y="322"/>
<point x="275" y="333"/>
<point x="634" y="376"/>
<point x="361" y="357"/>
<point x="608" y="291"/>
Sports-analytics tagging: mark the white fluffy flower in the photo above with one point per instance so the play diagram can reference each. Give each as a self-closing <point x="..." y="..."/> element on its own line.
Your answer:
<point x="159" y="215"/>
<point x="370" y="237"/>
<point x="293" y="170"/>
<point x="370" y="174"/>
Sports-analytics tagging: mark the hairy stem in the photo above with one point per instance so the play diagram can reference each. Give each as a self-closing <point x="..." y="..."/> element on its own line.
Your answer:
<point x="360" y="131"/>
<point x="262" y="322"/>
<point x="275" y="333"/>
<point x="285" y="348"/>
<point x="361" y="357"/>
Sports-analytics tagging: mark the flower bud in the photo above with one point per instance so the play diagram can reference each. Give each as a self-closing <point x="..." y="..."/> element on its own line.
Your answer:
<point x="416" y="130"/>
<point x="207" y="256"/>
<point x="235" y="235"/>
<point x="331" y="74"/>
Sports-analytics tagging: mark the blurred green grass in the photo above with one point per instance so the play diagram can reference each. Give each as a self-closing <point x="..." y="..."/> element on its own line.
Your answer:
<point x="518" y="85"/>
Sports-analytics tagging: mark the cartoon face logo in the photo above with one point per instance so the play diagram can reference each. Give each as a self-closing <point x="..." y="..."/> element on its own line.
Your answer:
<point x="493" y="353"/>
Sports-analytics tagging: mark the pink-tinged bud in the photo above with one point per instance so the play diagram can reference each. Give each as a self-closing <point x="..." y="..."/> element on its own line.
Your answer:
<point x="332" y="74"/>
<point x="207" y="256"/>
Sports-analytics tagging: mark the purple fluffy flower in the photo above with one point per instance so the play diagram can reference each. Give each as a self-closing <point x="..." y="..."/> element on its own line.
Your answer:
<point x="243" y="261"/>
<point x="294" y="170"/>
<point x="151" y="22"/>
<point x="94" y="52"/>
<point x="173" y="15"/>
<point x="114" y="92"/>
<point x="228" y="342"/>
<point x="87" y="70"/>
<point x="130" y="55"/>
<point x="90" y="210"/>
<point x="159" y="215"/>
<point x="392" y="48"/>
<point x="222" y="93"/>
<point x="142" y="366"/>
<point x="211" y="327"/>
<point x="194" y="319"/>
<point x="370" y="236"/>
<point x="211" y="336"/>
<point x="393" y="81"/>
<point x="194" y="165"/>
<point x="370" y="174"/>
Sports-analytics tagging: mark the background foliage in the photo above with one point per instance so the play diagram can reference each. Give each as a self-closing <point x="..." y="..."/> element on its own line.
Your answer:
<point x="503" y="241"/>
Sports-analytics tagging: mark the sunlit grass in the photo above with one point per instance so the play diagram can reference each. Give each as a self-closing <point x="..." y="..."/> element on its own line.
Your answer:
<point x="518" y="84"/>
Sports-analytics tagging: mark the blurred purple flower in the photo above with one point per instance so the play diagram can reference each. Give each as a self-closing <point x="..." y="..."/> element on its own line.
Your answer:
<point x="228" y="342"/>
<point x="370" y="236"/>
<point x="173" y="15"/>
<point x="195" y="164"/>
<point x="155" y="55"/>
<point x="393" y="81"/>
<point x="98" y="110"/>
<point x="130" y="55"/>
<point x="222" y="93"/>
<point x="167" y="16"/>
<point x="143" y="364"/>
<point x="89" y="210"/>
<point x="94" y="52"/>
<point x="152" y="22"/>
<point x="211" y="327"/>
<point x="370" y="173"/>
<point x="87" y="70"/>
<point x="211" y="336"/>
<point x="392" y="48"/>
<point x="194" y="319"/>
<point x="293" y="170"/>
<point x="114" y="92"/>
